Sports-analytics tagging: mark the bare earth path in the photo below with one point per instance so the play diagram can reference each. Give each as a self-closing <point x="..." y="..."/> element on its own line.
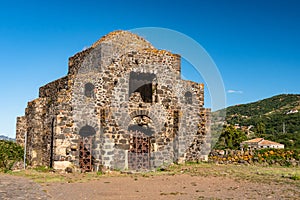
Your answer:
<point x="196" y="181"/>
<point x="171" y="187"/>
<point x="13" y="187"/>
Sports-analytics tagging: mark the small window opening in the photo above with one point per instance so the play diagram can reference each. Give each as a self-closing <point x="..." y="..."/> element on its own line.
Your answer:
<point x="89" y="90"/>
<point x="142" y="83"/>
<point x="188" y="97"/>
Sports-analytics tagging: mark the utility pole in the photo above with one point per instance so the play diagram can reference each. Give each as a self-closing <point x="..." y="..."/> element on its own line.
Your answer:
<point x="283" y="128"/>
<point x="25" y="147"/>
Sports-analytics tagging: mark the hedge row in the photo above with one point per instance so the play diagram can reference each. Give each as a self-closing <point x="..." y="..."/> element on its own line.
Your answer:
<point x="281" y="157"/>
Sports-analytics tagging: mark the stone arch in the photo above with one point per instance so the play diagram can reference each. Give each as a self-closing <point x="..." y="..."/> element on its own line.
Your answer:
<point x="88" y="123"/>
<point x="142" y="123"/>
<point x="147" y="113"/>
<point x="87" y="131"/>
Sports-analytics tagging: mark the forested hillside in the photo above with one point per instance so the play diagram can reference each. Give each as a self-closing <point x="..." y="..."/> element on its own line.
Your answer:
<point x="276" y="118"/>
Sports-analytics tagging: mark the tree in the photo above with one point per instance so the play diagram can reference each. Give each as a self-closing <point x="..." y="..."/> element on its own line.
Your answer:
<point x="260" y="129"/>
<point x="231" y="138"/>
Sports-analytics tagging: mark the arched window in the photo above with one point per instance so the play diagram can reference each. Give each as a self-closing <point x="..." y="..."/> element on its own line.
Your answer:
<point x="188" y="97"/>
<point x="89" y="90"/>
<point x="87" y="131"/>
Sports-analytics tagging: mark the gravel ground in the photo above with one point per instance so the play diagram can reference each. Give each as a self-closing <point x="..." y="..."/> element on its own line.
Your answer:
<point x="13" y="187"/>
<point x="147" y="186"/>
<point x="171" y="187"/>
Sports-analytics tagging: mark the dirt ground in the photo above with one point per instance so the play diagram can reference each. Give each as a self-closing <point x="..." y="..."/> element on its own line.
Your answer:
<point x="190" y="181"/>
<point x="171" y="187"/>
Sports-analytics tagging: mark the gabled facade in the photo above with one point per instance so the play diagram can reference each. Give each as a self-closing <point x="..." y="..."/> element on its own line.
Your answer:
<point x="122" y="105"/>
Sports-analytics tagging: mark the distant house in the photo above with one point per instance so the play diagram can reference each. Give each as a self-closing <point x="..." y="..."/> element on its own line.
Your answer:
<point x="261" y="143"/>
<point x="292" y="111"/>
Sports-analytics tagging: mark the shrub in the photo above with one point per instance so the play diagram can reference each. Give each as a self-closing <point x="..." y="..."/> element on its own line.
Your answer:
<point x="10" y="152"/>
<point x="281" y="156"/>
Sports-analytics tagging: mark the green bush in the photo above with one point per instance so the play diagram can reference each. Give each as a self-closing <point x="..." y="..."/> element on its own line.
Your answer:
<point x="295" y="177"/>
<point x="280" y="156"/>
<point x="10" y="152"/>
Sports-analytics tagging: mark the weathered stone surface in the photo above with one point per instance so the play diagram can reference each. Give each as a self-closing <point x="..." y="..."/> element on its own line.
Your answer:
<point x="62" y="165"/>
<point x="15" y="187"/>
<point x="118" y="87"/>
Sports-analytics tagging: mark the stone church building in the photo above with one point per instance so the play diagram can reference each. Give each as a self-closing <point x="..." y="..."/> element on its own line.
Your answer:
<point x="122" y="105"/>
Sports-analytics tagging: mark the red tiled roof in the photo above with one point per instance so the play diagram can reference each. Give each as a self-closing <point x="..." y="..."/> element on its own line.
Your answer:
<point x="262" y="141"/>
<point x="267" y="142"/>
<point x="255" y="140"/>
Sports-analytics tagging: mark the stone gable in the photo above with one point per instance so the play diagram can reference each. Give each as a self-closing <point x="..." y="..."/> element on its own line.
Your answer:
<point x="122" y="105"/>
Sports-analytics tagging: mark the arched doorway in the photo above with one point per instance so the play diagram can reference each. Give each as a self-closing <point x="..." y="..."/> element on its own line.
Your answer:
<point x="139" y="152"/>
<point x="85" y="148"/>
<point x="141" y="132"/>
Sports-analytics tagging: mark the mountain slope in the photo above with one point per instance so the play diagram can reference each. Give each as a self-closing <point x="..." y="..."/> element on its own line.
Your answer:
<point x="276" y="118"/>
<point x="279" y="113"/>
<point x="280" y="103"/>
<point x="3" y="137"/>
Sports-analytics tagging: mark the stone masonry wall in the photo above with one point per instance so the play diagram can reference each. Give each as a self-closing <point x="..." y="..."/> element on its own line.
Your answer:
<point x="174" y="117"/>
<point x="21" y="130"/>
<point x="51" y="89"/>
<point x="36" y="148"/>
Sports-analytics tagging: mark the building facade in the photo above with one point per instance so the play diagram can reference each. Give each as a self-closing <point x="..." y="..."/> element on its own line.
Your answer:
<point x="122" y="105"/>
<point x="260" y="143"/>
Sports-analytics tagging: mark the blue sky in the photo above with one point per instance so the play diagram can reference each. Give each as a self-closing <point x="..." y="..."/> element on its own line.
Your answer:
<point x="255" y="44"/>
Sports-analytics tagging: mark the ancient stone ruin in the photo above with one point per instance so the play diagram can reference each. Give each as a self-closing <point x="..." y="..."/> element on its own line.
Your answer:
<point x="122" y="105"/>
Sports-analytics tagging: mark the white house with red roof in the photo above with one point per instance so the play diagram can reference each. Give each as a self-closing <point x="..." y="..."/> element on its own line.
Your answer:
<point x="261" y="143"/>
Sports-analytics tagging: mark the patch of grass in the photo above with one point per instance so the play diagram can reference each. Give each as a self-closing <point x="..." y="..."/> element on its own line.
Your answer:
<point x="295" y="177"/>
<point x="145" y="175"/>
<point x="40" y="177"/>
<point x="42" y="169"/>
<point x="253" y="173"/>
<point x="278" y="174"/>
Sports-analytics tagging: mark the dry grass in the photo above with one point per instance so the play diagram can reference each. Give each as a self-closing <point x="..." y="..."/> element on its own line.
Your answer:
<point x="290" y="175"/>
<point x="241" y="172"/>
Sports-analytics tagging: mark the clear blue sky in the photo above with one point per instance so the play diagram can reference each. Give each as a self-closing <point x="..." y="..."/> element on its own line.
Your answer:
<point x="255" y="43"/>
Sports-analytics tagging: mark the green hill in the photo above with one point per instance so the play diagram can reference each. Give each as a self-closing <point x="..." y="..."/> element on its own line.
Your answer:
<point x="276" y="118"/>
